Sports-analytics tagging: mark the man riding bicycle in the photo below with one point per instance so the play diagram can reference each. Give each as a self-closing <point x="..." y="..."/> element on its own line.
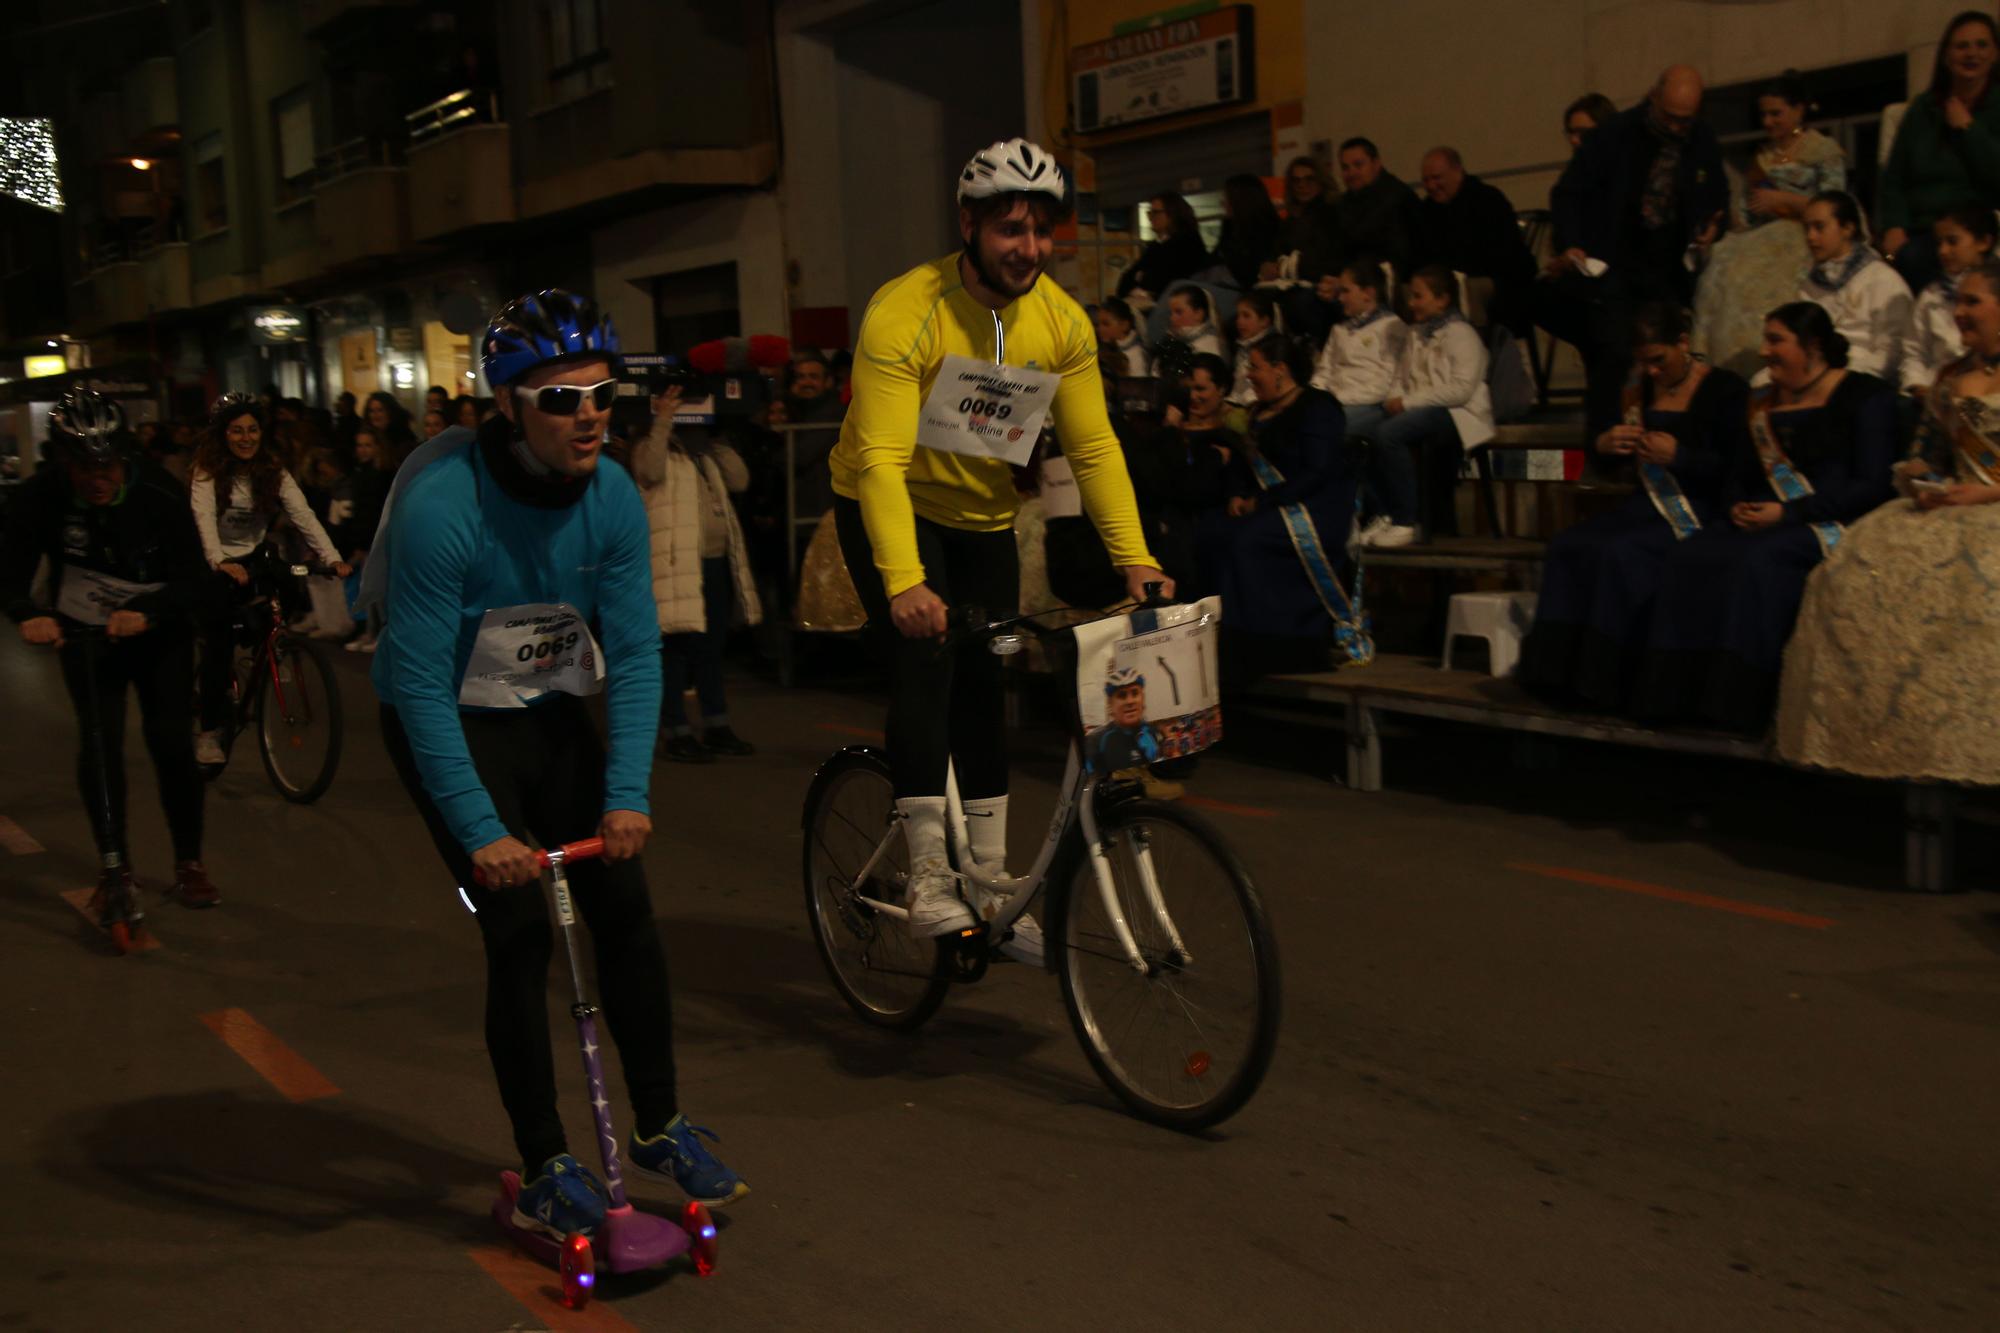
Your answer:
<point x="958" y="360"/>
<point x="125" y="563"/>
<point x="512" y="557"/>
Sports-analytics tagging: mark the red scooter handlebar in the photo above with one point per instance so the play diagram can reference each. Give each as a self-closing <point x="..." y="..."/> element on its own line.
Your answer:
<point x="583" y="849"/>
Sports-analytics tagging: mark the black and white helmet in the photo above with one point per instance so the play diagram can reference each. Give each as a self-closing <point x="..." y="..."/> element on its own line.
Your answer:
<point x="1012" y="166"/>
<point x="83" y="423"/>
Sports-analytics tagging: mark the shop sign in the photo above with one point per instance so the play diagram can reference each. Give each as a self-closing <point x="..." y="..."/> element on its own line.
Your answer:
<point x="1184" y="65"/>
<point x="277" y="325"/>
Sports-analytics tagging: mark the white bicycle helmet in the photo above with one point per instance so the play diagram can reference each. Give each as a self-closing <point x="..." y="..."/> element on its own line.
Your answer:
<point x="1012" y="166"/>
<point x="1122" y="678"/>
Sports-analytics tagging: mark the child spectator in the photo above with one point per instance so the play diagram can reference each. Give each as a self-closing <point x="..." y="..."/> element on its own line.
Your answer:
<point x="1964" y="236"/>
<point x="1438" y="408"/>
<point x="1865" y="296"/>
<point x="1256" y="320"/>
<point x="1191" y="319"/>
<point x="1359" y="362"/>
<point x="1116" y="325"/>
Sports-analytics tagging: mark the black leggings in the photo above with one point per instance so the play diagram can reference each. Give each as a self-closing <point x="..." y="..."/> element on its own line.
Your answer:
<point x="158" y="665"/>
<point x="218" y="646"/>
<point x="940" y="708"/>
<point x="544" y="769"/>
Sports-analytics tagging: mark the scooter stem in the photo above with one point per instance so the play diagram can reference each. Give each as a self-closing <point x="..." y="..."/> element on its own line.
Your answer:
<point x="585" y="1012"/>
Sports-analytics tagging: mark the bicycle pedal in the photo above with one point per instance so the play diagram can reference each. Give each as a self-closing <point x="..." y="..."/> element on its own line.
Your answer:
<point x="970" y="953"/>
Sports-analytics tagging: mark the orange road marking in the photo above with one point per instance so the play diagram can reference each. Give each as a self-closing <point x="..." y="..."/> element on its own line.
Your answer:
<point x="1691" y="899"/>
<point x="842" y="729"/>
<point x="540" y="1290"/>
<point x="144" y="942"/>
<point x="15" y="838"/>
<point x="1229" y="808"/>
<point x="282" y="1067"/>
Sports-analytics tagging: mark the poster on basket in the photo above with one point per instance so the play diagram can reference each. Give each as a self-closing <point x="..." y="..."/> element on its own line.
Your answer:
<point x="1149" y="685"/>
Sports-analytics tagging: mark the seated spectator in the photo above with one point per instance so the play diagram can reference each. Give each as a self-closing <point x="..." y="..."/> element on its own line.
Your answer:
<point x="809" y="397"/>
<point x="1761" y="261"/>
<point x="1116" y="325"/>
<point x="1175" y="252"/>
<point x="1275" y="554"/>
<point x="1865" y="296"/>
<point x="1965" y="236"/>
<point x="1947" y="148"/>
<point x="1191" y="319"/>
<point x="1250" y="228"/>
<point x="1377" y="213"/>
<point x="701" y="574"/>
<point x="1683" y="419"/>
<point x="1180" y="472"/>
<point x="1438" y="408"/>
<point x="1892" y="671"/>
<point x="1821" y="441"/>
<point x="1308" y="249"/>
<point x="1256" y="320"/>
<point x="1469" y="227"/>
<point x="1358" y="365"/>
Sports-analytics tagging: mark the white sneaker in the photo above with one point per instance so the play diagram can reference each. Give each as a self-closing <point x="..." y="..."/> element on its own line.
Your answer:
<point x="208" y="748"/>
<point x="1391" y="536"/>
<point x="1366" y="534"/>
<point x="360" y="643"/>
<point x="935" y="907"/>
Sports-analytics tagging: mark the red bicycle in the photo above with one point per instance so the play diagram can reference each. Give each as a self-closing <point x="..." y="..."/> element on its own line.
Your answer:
<point x="281" y="685"/>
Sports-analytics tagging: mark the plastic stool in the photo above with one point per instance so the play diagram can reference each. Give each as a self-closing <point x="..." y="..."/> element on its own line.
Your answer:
<point x="1500" y="618"/>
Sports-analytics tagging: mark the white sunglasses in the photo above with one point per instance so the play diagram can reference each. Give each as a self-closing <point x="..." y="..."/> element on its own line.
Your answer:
<point x="566" y="400"/>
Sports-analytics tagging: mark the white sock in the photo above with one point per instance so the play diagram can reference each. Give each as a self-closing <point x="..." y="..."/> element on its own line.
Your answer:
<point x="923" y="831"/>
<point x="986" y="818"/>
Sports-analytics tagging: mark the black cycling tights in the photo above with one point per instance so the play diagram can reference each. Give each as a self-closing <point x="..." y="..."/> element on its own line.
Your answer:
<point x="940" y="707"/>
<point x="158" y="666"/>
<point x="544" y="769"/>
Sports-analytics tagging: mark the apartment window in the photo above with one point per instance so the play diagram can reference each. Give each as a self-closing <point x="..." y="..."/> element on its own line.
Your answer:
<point x="579" y="56"/>
<point x="211" y="199"/>
<point x="292" y="143"/>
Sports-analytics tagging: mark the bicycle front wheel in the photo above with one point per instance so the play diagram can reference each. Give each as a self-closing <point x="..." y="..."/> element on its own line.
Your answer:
<point x="888" y="978"/>
<point x="298" y="720"/>
<point x="1186" y="1040"/>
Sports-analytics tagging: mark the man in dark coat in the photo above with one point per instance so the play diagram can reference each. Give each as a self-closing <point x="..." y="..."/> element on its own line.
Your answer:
<point x="1643" y="187"/>
<point x="1469" y="226"/>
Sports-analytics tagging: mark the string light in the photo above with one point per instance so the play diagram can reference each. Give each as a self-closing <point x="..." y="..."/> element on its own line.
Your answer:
<point x="28" y="162"/>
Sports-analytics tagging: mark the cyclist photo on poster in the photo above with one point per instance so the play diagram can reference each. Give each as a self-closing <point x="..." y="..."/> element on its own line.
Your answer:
<point x="1147" y="686"/>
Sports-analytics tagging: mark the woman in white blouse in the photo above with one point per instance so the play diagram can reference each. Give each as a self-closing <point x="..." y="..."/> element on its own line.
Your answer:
<point x="1438" y="408"/>
<point x="1867" y="299"/>
<point x="238" y="488"/>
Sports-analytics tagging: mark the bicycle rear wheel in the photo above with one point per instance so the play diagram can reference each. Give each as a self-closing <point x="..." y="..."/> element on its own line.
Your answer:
<point x="888" y="978"/>
<point x="298" y="720"/>
<point x="1186" y="1043"/>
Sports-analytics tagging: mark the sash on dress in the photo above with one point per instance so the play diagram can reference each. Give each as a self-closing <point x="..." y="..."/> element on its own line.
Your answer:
<point x="1662" y="486"/>
<point x="1969" y="424"/>
<point x="1789" y="483"/>
<point x="1350" y="624"/>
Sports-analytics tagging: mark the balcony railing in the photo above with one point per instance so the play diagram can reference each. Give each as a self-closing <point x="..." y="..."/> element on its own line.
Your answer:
<point x="463" y="107"/>
<point x="355" y="155"/>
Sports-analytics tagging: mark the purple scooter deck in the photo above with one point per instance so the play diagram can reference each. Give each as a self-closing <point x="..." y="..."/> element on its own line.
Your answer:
<point x="630" y="1241"/>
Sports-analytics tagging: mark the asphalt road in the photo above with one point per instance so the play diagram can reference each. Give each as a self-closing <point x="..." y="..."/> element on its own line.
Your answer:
<point x="1574" y="1039"/>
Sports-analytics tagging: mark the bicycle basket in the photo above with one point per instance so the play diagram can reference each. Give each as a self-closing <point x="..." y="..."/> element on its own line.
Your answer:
<point x="1148" y="684"/>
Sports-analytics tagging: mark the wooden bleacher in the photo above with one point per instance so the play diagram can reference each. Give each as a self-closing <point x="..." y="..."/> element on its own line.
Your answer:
<point x="1417" y="687"/>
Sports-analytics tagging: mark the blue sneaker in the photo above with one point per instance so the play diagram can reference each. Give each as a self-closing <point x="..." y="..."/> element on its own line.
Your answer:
<point x="564" y="1200"/>
<point x="678" y="1154"/>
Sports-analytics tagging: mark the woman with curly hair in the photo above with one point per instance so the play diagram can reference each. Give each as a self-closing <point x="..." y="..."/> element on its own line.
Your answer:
<point x="238" y="488"/>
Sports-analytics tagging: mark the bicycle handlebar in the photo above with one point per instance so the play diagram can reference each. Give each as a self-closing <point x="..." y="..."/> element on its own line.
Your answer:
<point x="969" y="624"/>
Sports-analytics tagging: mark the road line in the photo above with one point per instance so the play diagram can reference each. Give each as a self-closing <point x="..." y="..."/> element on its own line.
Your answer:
<point x="145" y="941"/>
<point x="1228" y="807"/>
<point x="540" y="1290"/>
<point x="282" y="1067"/>
<point x="15" y="838"/>
<point x="842" y="729"/>
<point x="1691" y="899"/>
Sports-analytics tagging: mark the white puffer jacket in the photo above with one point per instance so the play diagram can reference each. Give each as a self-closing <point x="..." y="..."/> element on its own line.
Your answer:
<point x="671" y="482"/>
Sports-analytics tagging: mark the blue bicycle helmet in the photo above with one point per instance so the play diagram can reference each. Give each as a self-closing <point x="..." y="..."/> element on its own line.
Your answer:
<point x="542" y="328"/>
<point x="1122" y="678"/>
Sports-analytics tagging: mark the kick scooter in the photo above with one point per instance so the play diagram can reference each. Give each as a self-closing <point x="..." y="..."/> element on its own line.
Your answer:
<point x="630" y="1240"/>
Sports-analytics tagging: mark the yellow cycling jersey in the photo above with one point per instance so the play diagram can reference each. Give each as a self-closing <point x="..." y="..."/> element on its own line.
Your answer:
<point x="911" y="325"/>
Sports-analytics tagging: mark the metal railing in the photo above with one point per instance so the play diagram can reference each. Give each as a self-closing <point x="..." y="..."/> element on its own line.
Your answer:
<point x="355" y="155"/>
<point x="465" y="107"/>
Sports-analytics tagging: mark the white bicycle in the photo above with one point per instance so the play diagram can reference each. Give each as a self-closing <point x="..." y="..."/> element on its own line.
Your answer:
<point x="1168" y="965"/>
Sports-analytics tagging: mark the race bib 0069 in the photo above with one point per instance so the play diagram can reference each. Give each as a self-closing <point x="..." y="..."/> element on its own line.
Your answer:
<point x="983" y="410"/>
<point x="523" y="653"/>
